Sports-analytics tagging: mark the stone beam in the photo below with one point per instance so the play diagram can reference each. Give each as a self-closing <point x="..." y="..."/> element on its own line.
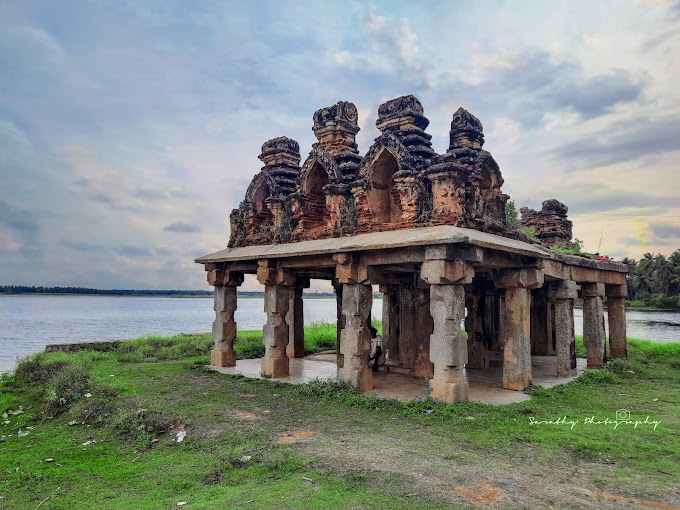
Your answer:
<point x="389" y="257"/>
<point x="315" y="261"/>
<point x="589" y="275"/>
<point x="519" y="278"/>
<point x="454" y="252"/>
<point x="503" y="260"/>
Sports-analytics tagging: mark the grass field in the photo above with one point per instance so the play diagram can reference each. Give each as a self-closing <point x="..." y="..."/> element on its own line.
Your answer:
<point x="100" y="429"/>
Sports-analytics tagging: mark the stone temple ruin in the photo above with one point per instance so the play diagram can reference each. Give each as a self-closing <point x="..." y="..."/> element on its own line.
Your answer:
<point x="430" y="230"/>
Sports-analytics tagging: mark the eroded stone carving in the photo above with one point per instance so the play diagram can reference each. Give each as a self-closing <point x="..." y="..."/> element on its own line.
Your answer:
<point x="401" y="182"/>
<point x="550" y="224"/>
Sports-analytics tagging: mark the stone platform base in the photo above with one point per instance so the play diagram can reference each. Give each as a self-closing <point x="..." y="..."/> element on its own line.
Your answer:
<point x="485" y="384"/>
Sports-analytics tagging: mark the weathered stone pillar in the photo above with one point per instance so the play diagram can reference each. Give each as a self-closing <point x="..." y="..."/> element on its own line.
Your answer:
<point x="594" y="336"/>
<point x="224" y="327"/>
<point x="390" y="320"/>
<point x="424" y="328"/>
<point x="616" y="312"/>
<point x="296" y="320"/>
<point x="276" y="332"/>
<point x="563" y="294"/>
<point x="448" y="344"/>
<point x="340" y="321"/>
<point x="355" y="337"/>
<point x="408" y="336"/>
<point x="515" y="330"/>
<point x="492" y="313"/>
<point x="475" y="300"/>
<point x="541" y="328"/>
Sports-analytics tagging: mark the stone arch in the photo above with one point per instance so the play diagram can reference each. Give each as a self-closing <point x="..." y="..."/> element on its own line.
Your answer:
<point x="258" y="211"/>
<point x="383" y="199"/>
<point x="315" y="210"/>
<point x="394" y="146"/>
<point x="323" y="158"/>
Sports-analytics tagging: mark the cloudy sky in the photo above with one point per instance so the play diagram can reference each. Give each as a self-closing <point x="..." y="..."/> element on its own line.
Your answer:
<point x="129" y="130"/>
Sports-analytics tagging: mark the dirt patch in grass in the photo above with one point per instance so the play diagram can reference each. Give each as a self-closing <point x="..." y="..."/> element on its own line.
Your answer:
<point x="481" y="493"/>
<point x="245" y="415"/>
<point x="296" y="436"/>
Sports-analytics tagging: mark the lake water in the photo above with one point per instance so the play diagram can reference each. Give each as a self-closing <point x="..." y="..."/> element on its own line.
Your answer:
<point x="28" y="323"/>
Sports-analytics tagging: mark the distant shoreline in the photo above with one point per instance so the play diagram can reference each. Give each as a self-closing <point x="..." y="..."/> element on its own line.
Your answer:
<point x="24" y="290"/>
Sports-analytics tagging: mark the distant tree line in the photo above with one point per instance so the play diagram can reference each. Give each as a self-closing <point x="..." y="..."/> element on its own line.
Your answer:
<point x="654" y="280"/>
<point x="24" y="289"/>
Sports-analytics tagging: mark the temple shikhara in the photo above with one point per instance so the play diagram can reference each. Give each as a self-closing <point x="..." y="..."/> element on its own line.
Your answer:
<point x="431" y="231"/>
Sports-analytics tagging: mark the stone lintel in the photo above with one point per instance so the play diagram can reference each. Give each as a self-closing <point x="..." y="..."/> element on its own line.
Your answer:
<point x="562" y="289"/>
<point x="519" y="278"/>
<point x="302" y="262"/>
<point x="440" y="272"/>
<point x="385" y="257"/>
<point x="589" y="275"/>
<point x="504" y="260"/>
<point x="592" y="289"/>
<point x="454" y="252"/>
<point x="270" y="275"/>
<point x="219" y="277"/>
<point x="616" y="291"/>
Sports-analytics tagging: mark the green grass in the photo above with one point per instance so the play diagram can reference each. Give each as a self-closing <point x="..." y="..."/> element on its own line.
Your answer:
<point x="143" y="388"/>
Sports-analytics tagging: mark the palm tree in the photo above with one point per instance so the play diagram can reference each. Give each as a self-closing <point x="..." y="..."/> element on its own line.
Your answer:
<point x="662" y="274"/>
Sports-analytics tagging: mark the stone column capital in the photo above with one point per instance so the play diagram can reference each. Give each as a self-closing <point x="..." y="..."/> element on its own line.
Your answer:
<point x="268" y="274"/>
<point x="616" y="291"/>
<point x="349" y="270"/>
<point x="224" y="278"/>
<point x="589" y="289"/>
<point x="447" y="272"/>
<point x="562" y="289"/>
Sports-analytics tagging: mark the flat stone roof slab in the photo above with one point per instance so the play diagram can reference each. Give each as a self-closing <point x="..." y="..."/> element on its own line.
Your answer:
<point x="403" y="238"/>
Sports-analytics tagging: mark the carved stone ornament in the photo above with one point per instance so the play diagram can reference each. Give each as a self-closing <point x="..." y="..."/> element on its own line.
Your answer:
<point x="342" y="111"/>
<point x="403" y="104"/>
<point x="464" y="120"/>
<point x="281" y="144"/>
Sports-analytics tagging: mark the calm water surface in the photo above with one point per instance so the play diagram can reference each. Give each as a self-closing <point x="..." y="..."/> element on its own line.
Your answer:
<point x="28" y="323"/>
